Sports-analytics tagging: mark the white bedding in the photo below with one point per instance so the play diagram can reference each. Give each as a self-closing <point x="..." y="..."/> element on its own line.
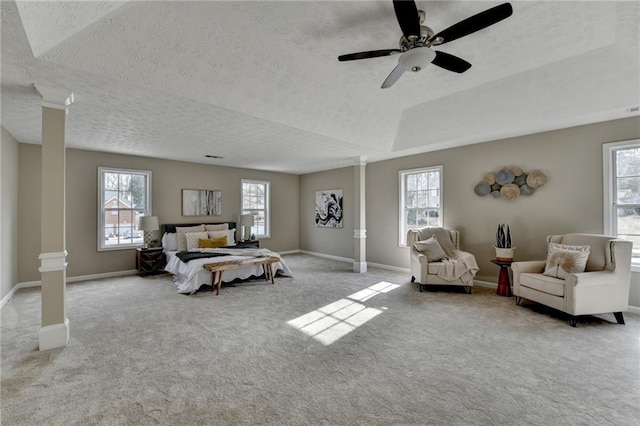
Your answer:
<point x="188" y="277"/>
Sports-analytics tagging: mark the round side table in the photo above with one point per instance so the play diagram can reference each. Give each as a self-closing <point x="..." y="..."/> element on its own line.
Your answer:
<point x="504" y="284"/>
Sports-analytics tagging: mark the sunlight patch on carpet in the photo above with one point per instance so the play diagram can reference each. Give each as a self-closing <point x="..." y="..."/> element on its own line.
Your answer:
<point x="337" y="319"/>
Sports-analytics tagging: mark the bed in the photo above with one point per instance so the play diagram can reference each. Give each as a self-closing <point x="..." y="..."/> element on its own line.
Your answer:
<point x="190" y="276"/>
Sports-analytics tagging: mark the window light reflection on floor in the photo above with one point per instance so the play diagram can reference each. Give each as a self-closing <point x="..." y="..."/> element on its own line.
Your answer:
<point x="335" y="320"/>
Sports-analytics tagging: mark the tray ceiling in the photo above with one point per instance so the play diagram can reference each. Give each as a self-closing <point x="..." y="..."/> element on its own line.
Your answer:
<point x="259" y="84"/>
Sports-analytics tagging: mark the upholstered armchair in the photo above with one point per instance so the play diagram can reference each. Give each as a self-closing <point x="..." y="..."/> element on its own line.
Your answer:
<point x="436" y="258"/>
<point x="603" y="287"/>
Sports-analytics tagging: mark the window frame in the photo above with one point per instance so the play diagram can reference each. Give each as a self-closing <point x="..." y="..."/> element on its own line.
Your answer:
<point x="146" y="211"/>
<point x="402" y="226"/>
<point x="610" y="204"/>
<point x="267" y="207"/>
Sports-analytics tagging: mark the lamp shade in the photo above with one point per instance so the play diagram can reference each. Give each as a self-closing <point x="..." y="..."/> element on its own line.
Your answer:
<point x="246" y="220"/>
<point x="148" y="223"/>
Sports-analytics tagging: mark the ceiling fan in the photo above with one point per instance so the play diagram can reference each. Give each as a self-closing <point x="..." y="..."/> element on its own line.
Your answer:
<point x="417" y="40"/>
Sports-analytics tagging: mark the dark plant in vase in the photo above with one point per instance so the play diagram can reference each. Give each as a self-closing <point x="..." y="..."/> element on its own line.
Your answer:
<point x="504" y="251"/>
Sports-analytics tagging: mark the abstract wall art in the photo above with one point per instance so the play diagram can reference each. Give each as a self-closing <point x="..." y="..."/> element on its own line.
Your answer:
<point x="201" y="202"/>
<point x="329" y="208"/>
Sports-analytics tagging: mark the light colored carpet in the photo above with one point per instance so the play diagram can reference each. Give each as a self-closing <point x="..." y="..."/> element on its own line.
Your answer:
<point x="140" y="353"/>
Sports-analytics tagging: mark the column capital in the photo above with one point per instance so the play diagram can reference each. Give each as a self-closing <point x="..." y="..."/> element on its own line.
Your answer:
<point x="360" y="160"/>
<point x="55" y="98"/>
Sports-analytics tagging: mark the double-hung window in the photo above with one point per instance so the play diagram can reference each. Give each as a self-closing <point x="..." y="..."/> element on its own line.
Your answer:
<point x="123" y="196"/>
<point x="255" y="201"/>
<point x="621" y="166"/>
<point x="420" y="199"/>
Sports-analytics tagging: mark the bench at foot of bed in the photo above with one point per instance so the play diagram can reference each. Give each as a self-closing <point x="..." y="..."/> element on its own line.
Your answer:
<point x="220" y="267"/>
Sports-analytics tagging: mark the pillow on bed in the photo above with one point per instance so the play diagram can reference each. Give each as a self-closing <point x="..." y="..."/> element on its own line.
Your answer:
<point x="230" y="234"/>
<point x="182" y="230"/>
<point x="219" y="227"/>
<point x="170" y="241"/>
<point x="212" y="242"/>
<point x="193" y="238"/>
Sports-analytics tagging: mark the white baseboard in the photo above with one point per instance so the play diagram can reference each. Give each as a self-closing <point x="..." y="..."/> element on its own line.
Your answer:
<point x="328" y="256"/>
<point x="389" y="267"/>
<point x="27" y="284"/>
<point x="289" y="252"/>
<point x="486" y="284"/>
<point x="99" y="276"/>
<point x="8" y="296"/>
<point x="79" y="278"/>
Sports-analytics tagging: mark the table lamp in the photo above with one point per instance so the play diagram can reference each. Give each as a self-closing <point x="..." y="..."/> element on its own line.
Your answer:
<point x="148" y="224"/>
<point x="246" y="220"/>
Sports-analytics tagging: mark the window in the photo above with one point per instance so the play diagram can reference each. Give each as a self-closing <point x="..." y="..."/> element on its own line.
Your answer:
<point x="123" y="196"/>
<point x="621" y="165"/>
<point x="420" y="199"/>
<point x="255" y="201"/>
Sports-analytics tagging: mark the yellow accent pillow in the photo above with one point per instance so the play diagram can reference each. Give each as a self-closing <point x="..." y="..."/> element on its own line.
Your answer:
<point x="212" y="242"/>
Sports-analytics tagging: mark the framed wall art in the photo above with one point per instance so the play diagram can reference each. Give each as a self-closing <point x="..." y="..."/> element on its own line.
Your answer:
<point x="201" y="202"/>
<point x="329" y="208"/>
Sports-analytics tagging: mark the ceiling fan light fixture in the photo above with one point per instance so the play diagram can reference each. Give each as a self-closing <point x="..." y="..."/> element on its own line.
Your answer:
<point x="416" y="59"/>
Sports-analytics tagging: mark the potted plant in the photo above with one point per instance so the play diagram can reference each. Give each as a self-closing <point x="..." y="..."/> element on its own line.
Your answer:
<point x="504" y="251"/>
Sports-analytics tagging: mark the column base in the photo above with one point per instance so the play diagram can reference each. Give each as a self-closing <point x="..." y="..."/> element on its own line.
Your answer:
<point x="54" y="336"/>
<point x="360" y="267"/>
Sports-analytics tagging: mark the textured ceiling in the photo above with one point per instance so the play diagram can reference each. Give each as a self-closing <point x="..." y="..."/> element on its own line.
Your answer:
<point x="259" y="82"/>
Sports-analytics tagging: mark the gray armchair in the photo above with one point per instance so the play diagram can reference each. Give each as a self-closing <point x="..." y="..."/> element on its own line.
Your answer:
<point x="457" y="268"/>
<point x="602" y="288"/>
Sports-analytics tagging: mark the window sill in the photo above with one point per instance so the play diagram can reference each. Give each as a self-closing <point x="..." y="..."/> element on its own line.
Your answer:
<point x="129" y="247"/>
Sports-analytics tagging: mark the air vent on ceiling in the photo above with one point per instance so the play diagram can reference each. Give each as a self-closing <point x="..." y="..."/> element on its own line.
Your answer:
<point x="217" y="157"/>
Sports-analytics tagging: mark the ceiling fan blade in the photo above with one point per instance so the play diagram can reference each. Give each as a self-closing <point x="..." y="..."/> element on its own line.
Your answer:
<point x="407" y="14"/>
<point x="451" y="62"/>
<point x="393" y="77"/>
<point x="475" y="23"/>
<point x="365" y="55"/>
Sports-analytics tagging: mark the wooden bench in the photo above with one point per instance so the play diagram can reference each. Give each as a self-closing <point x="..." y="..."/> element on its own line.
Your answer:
<point x="220" y="267"/>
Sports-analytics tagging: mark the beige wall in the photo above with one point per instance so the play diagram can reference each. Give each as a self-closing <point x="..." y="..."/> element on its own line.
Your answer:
<point x="331" y="241"/>
<point x="168" y="179"/>
<point x="571" y="201"/>
<point x="8" y="213"/>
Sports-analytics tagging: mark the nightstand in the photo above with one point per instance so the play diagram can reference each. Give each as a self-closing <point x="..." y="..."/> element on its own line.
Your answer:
<point x="150" y="261"/>
<point x="249" y="244"/>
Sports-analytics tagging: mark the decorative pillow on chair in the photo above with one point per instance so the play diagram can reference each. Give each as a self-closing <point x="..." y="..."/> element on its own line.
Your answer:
<point x="430" y="248"/>
<point x="193" y="239"/>
<point x="563" y="260"/>
<point x="212" y="242"/>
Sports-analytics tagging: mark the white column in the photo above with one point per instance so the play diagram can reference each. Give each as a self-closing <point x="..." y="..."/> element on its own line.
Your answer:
<point x="54" y="332"/>
<point x="360" y="217"/>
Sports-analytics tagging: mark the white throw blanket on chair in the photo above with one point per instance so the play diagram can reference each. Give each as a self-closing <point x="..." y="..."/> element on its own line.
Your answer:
<point x="458" y="265"/>
<point x="462" y="266"/>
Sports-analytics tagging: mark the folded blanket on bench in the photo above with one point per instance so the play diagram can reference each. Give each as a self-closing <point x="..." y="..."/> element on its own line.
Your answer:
<point x="186" y="256"/>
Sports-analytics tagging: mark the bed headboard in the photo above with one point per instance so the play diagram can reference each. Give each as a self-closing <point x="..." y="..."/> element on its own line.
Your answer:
<point x="171" y="227"/>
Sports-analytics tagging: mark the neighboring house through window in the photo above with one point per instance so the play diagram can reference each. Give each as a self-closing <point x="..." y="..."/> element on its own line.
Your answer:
<point x="124" y="196"/>
<point x="621" y="166"/>
<point x="255" y="201"/>
<point x="420" y="199"/>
